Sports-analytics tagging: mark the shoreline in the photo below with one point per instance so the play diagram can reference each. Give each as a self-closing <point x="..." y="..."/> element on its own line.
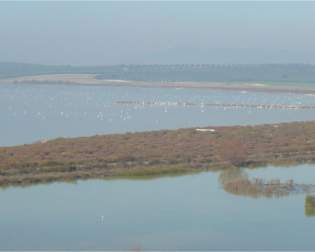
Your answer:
<point x="157" y="153"/>
<point x="91" y="80"/>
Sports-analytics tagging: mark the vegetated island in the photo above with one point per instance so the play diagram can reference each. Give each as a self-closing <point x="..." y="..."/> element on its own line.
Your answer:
<point x="156" y="153"/>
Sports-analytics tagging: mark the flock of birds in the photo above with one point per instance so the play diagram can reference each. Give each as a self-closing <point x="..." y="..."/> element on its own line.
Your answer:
<point x="113" y="106"/>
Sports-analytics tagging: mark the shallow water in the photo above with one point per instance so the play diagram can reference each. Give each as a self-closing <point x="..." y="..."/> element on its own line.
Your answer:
<point x="33" y="112"/>
<point x="185" y="212"/>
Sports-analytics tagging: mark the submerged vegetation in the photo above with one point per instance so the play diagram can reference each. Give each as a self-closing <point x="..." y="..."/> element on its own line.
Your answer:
<point x="310" y="206"/>
<point x="158" y="153"/>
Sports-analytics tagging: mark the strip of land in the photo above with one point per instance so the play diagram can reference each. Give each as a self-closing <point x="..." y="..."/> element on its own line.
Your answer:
<point x="237" y="182"/>
<point x="158" y="153"/>
<point x="91" y="79"/>
<point x="218" y="105"/>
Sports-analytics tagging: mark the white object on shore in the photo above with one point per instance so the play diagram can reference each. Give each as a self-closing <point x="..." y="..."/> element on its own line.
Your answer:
<point x="206" y="130"/>
<point x="41" y="141"/>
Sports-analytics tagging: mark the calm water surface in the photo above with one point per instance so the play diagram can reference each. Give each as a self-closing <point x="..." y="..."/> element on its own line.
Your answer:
<point x="185" y="212"/>
<point x="33" y="112"/>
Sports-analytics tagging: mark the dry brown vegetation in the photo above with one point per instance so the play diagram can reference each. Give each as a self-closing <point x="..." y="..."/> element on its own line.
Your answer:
<point x="159" y="152"/>
<point x="236" y="181"/>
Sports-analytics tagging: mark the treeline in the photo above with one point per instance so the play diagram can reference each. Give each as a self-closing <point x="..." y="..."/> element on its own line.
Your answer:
<point x="180" y="72"/>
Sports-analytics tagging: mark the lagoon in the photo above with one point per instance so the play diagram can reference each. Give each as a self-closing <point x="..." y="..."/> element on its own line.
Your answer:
<point x="184" y="212"/>
<point x="31" y="112"/>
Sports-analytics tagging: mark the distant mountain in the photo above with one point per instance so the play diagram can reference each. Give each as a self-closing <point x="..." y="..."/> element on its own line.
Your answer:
<point x="285" y="73"/>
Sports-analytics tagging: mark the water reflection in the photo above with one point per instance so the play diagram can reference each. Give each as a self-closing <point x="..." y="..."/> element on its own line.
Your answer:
<point x="169" y="214"/>
<point x="237" y="182"/>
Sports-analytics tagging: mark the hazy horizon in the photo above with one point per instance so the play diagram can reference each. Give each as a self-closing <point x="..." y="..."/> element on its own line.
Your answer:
<point x="161" y="64"/>
<point x="111" y="33"/>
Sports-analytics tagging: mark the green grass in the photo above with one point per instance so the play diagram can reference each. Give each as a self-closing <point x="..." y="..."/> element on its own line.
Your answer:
<point x="310" y="206"/>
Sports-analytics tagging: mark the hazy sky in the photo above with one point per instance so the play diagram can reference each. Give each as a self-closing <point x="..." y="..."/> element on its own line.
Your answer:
<point x="157" y="32"/>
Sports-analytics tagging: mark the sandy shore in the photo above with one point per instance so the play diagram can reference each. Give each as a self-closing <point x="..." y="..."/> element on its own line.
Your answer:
<point x="90" y="79"/>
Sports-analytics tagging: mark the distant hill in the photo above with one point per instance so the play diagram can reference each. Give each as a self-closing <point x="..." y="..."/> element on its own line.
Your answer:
<point x="285" y="73"/>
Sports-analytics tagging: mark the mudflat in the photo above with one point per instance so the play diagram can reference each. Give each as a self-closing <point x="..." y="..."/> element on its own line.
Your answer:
<point x="91" y="79"/>
<point x="158" y="153"/>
